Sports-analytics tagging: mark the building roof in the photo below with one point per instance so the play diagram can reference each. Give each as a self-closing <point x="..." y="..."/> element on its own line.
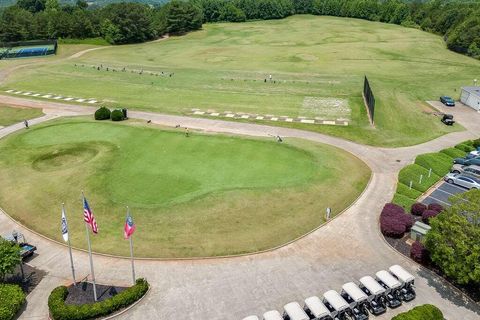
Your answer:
<point x="472" y="90"/>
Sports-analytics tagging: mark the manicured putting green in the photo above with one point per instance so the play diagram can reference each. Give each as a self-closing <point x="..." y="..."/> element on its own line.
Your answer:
<point x="197" y="196"/>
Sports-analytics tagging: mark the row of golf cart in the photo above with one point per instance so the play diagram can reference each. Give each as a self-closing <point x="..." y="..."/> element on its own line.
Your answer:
<point x="354" y="302"/>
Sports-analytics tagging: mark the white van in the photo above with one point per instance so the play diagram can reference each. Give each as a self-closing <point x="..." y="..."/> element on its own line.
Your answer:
<point x="407" y="292"/>
<point x="251" y="318"/>
<point x="375" y="293"/>
<point x="315" y="308"/>
<point x="272" y="315"/>
<point x="337" y="305"/>
<point x="391" y="286"/>
<point x="293" y="311"/>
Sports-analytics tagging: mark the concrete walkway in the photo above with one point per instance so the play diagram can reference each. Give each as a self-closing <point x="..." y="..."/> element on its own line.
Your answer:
<point x="346" y="249"/>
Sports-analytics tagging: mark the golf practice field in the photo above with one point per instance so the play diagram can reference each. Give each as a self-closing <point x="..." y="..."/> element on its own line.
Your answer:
<point x="316" y="64"/>
<point x="202" y="195"/>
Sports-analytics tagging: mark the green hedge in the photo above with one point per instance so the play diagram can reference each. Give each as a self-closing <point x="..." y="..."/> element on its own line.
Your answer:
<point x="465" y="147"/>
<point x="403" y="201"/>
<point x="424" y="312"/>
<point x="12" y="299"/>
<point x="103" y="113"/>
<point x="412" y="173"/>
<point x="61" y="311"/>
<point x="439" y="162"/>
<point x="453" y="153"/>
<point x="117" y="115"/>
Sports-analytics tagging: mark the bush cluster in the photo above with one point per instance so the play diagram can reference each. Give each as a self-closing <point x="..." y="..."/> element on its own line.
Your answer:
<point x="476" y="143"/>
<point x="394" y="222"/>
<point x="424" y="312"/>
<point x="11" y="301"/>
<point x="435" y="207"/>
<point x="453" y="152"/>
<point x="418" y="208"/>
<point x="428" y="214"/>
<point x="117" y="115"/>
<point x="103" y="113"/>
<point x="61" y="311"/>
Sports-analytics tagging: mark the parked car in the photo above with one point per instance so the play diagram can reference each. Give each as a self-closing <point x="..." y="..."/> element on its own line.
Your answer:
<point x="446" y="100"/>
<point x="448" y="119"/>
<point x="467" y="162"/>
<point x="472" y="170"/>
<point x="463" y="180"/>
<point x="473" y="154"/>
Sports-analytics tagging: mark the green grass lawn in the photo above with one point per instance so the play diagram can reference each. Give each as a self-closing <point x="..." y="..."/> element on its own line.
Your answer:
<point x="197" y="196"/>
<point x="223" y="68"/>
<point x="10" y="115"/>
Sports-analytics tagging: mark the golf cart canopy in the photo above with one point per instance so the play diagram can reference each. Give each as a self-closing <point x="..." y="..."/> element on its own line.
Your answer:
<point x="272" y="315"/>
<point x="295" y="311"/>
<point x="402" y="274"/>
<point x="372" y="285"/>
<point x="388" y="279"/>
<point x="251" y="318"/>
<point x="354" y="292"/>
<point x="316" y="306"/>
<point x="336" y="300"/>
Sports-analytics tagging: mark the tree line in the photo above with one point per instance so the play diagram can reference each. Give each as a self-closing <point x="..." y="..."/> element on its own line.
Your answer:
<point x="457" y="21"/>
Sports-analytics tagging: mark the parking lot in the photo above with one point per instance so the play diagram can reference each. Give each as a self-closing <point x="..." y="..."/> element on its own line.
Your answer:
<point x="442" y="193"/>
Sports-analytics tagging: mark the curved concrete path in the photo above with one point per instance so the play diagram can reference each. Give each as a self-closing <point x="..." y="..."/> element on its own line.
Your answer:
<point x="344" y="250"/>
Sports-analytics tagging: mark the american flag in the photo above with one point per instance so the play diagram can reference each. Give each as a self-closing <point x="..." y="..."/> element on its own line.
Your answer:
<point x="88" y="216"/>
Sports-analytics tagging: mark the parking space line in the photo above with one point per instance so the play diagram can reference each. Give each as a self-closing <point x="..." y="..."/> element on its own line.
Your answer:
<point x="451" y="184"/>
<point x="448" y="204"/>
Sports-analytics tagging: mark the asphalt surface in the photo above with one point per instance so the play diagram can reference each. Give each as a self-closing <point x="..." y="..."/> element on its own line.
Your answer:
<point x="443" y="193"/>
<point x="344" y="250"/>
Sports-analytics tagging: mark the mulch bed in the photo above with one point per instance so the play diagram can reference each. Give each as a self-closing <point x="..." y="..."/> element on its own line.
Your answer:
<point x="82" y="293"/>
<point x="32" y="277"/>
<point x="403" y="247"/>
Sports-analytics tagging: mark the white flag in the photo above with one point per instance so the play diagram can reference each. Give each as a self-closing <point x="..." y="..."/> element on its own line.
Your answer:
<point x="64" y="226"/>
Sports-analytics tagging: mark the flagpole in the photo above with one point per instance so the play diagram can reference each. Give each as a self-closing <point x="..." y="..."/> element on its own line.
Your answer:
<point x="91" y="260"/>
<point x="131" y="251"/>
<point x="70" y="252"/>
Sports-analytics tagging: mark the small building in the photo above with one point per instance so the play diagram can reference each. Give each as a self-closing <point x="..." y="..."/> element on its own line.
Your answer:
<point x="419" y="230"/>
<point x="470" y="96"/>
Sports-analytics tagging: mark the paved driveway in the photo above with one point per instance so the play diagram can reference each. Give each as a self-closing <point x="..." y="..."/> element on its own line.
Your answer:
<point x="346" y="249"/>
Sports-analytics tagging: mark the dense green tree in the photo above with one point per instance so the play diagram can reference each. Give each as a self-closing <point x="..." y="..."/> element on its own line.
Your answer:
<point x="52" y="5"/>
<point x="231" y="13"/>
<point x="454" y="240"/>
<point x="9" y="257"/>
<point x="128" y="23"/>
<point x="465" y="34"/>
<point x="182" y="17"/>
<point x="32" y="5"/>
<point x="15" y="24"/>
<point x="82" y="4"/>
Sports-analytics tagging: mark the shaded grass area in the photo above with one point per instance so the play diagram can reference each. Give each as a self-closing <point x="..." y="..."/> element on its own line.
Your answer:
<point x="419" y="175"/>
<point x="223" y="67"/>
<point x="11" y="115"/>
<point x="197" y="196"/>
